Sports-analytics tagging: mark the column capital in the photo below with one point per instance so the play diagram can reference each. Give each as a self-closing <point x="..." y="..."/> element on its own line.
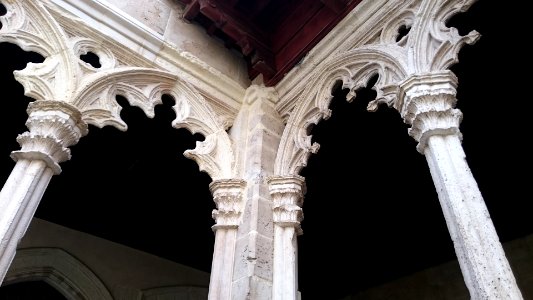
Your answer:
<point x="53" y="127"/>
<point x="428" y="105"/>
<point x="287" y="194"/>
<point x="228" y="197"/>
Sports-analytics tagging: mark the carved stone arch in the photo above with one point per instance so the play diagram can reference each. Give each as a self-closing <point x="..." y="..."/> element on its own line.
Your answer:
<point x="61" y="270"/>
<point x="144" y="87"/>
<point x="29" y="25"/>
<point x="354" y="68"/>
<point x="435" y="47"/>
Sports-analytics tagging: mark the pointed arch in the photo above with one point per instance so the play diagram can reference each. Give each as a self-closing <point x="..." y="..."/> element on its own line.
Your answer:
<point x="430" y="46"/>
<point x="144" y="87"/>
<point x="61" y="270"/>
<point x="354" y="69"/>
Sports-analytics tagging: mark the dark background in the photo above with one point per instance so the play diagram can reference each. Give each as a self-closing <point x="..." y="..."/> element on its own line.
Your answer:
<point x="371" y="210"/>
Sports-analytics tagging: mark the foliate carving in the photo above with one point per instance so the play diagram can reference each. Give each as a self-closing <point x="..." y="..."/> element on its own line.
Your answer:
<point x="287" y="195"/>
<point x="428" y="106"/>
<point x="29" y="25"/>
<point x="228" y="197"/>
<point x="53" y="127"/>
<point x="214" y="155"/>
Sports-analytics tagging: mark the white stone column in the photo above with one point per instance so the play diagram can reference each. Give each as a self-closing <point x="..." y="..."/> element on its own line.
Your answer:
<point x="228" y="196"/>
<point x="428" y="106"/>
<point x="53" y="126"/>
<point x="287" y="194"/>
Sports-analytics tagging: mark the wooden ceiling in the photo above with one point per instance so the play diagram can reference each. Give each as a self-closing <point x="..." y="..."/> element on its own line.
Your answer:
<point x="272" y="35"/>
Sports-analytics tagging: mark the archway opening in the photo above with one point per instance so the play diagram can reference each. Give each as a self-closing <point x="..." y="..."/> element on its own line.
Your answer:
<point x="371" y="207"/>
<point x="134" y="188"/>
<point x="137" y="189"/>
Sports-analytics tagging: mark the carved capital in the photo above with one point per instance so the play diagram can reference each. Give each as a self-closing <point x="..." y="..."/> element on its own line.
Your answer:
<point x="287" y="194"/>
<point x="228" y="197"/>
<point x="53" y="127"/>
<point x="428" y="105"/>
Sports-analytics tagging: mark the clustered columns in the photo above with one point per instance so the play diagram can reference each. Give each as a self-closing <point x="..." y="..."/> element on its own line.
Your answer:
<point x="428" y="106"/>
<point x="53" y="126"/>
<point x="228" y="197"/>
<point x="287" y="194"/>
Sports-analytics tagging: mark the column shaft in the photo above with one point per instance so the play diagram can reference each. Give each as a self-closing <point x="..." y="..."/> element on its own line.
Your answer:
<point x="53" y="126"/>
<point x="285" y="285"/>
<point x="19" y="199"/>
<point x="428" y="105"/>
<point x="483" y="262"/>
<point x="222" y="266"/>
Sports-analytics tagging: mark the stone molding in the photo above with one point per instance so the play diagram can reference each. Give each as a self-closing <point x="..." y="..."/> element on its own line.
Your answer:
<point x="429" y="47"/>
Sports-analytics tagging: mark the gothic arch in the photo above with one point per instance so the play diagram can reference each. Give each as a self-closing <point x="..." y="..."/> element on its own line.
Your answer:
<point x="354" y="68"/>
<point x="430" y="46"/>
<point x="60" y="269"/>
<point x="64" y="77"/>
<point x="144" y="87"/>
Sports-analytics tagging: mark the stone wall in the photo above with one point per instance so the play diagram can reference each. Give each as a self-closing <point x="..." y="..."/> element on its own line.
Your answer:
<point x="126" y="273"/>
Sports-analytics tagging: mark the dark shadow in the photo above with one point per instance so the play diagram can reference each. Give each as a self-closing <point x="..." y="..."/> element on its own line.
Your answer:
<point x="403" y="31"/>
<point x="371" y="210"/>
<point x="136" y="188"/>
<point x="92" y="59"/>
<point x="30" y="290"/>
<point x="13" y="101"/>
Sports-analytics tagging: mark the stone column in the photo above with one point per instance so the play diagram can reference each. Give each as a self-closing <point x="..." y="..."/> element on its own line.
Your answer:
<point x="53" y="126"/>
<point x="228" y="196"/>
<point x="287" y="194"/>
<point x="428" y="106"/>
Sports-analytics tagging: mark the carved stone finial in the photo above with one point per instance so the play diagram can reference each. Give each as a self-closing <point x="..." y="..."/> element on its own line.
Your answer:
<point x="427" y="104"/>
<point x="228" y="197"/>
<point x="53" y="127"/>
<point x="287" y="194"/>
